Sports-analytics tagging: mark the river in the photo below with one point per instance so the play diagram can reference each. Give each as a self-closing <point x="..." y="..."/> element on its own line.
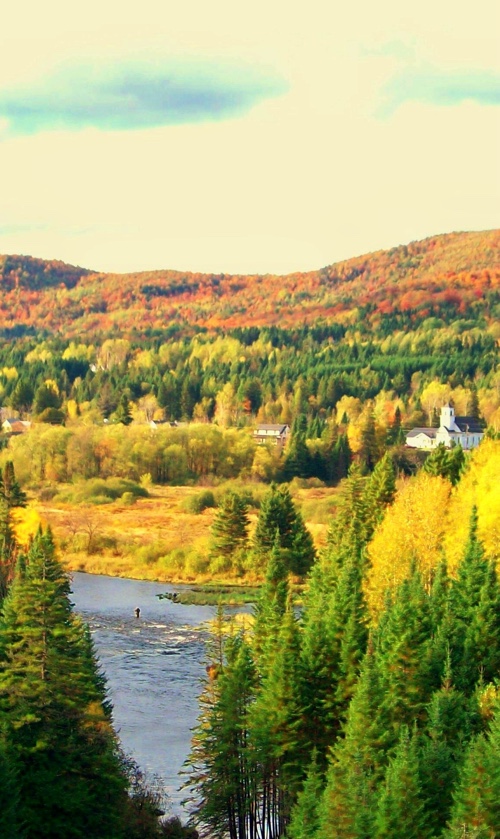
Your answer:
<point x="153" y="664"/>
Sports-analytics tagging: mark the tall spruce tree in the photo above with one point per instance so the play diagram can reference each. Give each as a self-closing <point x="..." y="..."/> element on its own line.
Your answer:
<point x="277" y="763"/>
<point x="379" y="493"/>
<point x="400" y="810"/>
<point x="10" y="491"/>
<point x="445" y="736"/>
<point x="304" y="821"/>
<point x="476" y="810"/>
<point x="8" y="549"/>
<point x="10" y="825"/>
<point x="55" y="725"/>
<point x="229" y="531"/>
<point x="278" y="515"/>
<point x="224" y="790"/>
<point x="473" y="625"/>
<point x="358" y="761"/>
<point x="404" y="653"/>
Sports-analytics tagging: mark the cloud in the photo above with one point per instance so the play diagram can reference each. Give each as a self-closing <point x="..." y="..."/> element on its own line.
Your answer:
<point x="137" y="96"/>
<point x="436" y="87"/>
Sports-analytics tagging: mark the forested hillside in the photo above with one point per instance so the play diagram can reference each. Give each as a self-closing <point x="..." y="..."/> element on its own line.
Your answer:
<point x="449" y="276"/>
<point x="373" y="713"/>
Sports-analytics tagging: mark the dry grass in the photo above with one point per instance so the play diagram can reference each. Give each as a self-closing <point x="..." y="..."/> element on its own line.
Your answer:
<point x="156" y="538"/>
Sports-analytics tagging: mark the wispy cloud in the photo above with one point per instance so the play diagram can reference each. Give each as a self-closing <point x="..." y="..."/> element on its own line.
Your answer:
<point x="137" y="96"/>
<point x="437" y="87"/>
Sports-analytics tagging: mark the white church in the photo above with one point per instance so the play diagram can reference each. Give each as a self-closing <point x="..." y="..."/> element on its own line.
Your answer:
<point x="453" y="431"/>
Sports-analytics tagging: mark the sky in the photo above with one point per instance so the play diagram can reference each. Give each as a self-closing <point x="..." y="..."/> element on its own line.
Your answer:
<point x="230" y="137"/>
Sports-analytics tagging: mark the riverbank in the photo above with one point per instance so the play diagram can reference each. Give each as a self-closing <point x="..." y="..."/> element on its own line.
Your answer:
<point x="160" y="539"/>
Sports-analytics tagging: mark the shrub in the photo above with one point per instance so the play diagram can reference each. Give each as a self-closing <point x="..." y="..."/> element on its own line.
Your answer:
<point x="100" y="491"/>
<point x="199" y="502"/>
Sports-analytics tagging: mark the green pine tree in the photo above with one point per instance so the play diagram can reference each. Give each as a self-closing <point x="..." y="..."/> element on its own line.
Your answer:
<point x="122" y="413"/>
<point x="446" y="734"/>
<point x="476" y="810"/>
<point x="379" y="493"/>
<point x="400" y="810"/>
<point x="51" y="704"/>
<point x="224" y="792"/>
<point x="358" y="761"/>
<point x="8" y="549"/>
<point x="304" y="821"/>
<point x="278" y="515"/>
<point x="404" y="653"/>
<point x="10" y="491"/>
<point x="229" y="531"/>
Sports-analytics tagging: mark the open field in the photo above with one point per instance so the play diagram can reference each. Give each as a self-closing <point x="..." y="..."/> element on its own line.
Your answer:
<point x="157" y="538"/>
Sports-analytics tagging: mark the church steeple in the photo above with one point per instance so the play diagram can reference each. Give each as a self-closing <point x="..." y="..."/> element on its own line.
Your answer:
<point x="448" y="417"/>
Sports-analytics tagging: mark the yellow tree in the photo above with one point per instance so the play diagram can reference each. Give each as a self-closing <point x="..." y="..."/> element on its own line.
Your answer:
<point x="411" y="532"/>
<point x="433" y="397"/>
<point x="479" y="487"/>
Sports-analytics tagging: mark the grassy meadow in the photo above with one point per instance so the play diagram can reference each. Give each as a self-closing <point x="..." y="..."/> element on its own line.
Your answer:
<point x="163" y="536"/>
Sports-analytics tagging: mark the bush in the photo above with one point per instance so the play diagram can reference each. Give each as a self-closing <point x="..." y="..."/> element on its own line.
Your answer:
<point x="220" y="564"/>
<point x="100" y="491"/>
<point x="129" y="498"/>
<point x="199" y="502"/>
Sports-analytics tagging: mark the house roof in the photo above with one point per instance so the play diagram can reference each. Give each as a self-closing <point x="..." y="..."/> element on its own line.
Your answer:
<point x="469" y="424"/>
<point x="429" y="432"/>
<point x="272" y="427"/>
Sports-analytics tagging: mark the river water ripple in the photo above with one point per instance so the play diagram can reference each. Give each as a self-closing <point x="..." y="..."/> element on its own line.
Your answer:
<point x="154" y="665"/>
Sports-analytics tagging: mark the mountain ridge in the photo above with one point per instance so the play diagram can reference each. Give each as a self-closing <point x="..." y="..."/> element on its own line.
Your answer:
<point x="433" y="277"/>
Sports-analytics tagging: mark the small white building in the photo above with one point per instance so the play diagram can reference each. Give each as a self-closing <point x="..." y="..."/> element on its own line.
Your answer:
<point x="453" y="431"/>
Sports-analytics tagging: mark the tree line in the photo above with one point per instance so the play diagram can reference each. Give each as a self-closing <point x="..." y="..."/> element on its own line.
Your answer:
<point x="339" y="720"/>
<point x="62" y="770"/>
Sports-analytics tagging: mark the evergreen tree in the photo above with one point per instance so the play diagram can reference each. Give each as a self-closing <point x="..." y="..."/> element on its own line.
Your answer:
<point x="379" y="493"/>
<point x="225" y="791"/>
<point x="122" y="413"/>
<point x="304" y="821"/>
<point x="278" y="515"/>
<point x="447" y="732"/>
<point x="54" y="721"/>
<point x="10" y="491"/>
<point x="229" y="531"/>
<point x="400" y="809"/>
<point x="395" y="434"/>
<point x="368" y="454"/>
<point x="476" y="810"/>
<point x="358" y="761"/>
<point x="348" y="528"/>
<point x="270" y="607"/>
<point x="276" y="761"/>
<point x="22" y="396"/>
<point x="298" y="461"/>
<point x="474" y="617"/>
<point x="404" y="653"/>
<point x="8" y="549"/>
<point x="10" y="826"/>
<point x="448" y="463"/>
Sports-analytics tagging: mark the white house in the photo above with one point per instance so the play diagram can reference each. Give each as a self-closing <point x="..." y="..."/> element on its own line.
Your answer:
<point x="453" y="431"/>
<point x="272" y="433"/>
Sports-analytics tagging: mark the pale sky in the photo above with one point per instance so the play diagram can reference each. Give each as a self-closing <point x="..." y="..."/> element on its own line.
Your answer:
<point x="221" y="136"/>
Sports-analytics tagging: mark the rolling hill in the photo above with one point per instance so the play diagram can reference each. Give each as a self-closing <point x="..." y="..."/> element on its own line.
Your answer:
<point x="448" y="277"/>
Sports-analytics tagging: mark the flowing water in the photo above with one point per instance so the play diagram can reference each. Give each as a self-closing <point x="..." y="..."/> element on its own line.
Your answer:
<point x="153" y="664"/>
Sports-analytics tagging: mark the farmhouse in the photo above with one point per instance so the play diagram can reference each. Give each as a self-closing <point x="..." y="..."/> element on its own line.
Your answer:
<point x="14" y="425"/>
<point x="453" y="431"/>
<point x="275" y="434"/>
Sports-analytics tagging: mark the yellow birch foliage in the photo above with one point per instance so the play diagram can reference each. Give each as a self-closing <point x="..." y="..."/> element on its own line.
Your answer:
<point x="412" y="530"/>
<point x="479" y="486"/>
<point x="26" y="521"/>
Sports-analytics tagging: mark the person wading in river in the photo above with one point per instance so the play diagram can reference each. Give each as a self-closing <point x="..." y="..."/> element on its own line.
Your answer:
<point x="137" y="611"/>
